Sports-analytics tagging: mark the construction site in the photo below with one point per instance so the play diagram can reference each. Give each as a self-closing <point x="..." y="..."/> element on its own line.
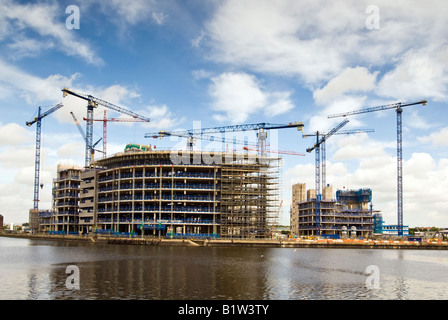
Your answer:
<point x="199" y="194"/>
<point x="143" y="193"/>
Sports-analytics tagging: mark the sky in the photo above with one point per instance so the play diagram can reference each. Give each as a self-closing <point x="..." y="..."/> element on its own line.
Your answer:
<point x="208" y="63"/>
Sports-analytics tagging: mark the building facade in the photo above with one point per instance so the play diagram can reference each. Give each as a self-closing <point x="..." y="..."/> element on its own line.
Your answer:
<point x="392" y="230"/>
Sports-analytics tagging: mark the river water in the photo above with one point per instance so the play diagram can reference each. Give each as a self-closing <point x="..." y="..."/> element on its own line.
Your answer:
<point x="39" y="269"/>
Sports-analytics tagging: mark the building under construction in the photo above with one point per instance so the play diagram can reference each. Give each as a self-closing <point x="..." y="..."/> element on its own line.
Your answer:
<point x="349" y="215"/>
<point x="64" y="216"/>
<point x="169" y="194"/>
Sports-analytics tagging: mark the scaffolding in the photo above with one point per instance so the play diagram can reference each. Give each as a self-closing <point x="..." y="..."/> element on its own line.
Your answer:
<point x="249" y="195"/>
<point x="65" y="213"/>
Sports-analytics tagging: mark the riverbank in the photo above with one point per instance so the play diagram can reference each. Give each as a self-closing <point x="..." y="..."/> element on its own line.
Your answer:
<point x="274" y="243"/>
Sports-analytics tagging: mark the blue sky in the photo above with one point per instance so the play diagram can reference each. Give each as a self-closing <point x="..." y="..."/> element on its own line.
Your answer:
<point x="234" y="62"/>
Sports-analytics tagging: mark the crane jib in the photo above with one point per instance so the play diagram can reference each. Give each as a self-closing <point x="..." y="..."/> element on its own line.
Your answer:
<point x="104" y="103"/>
<point x="379" y="108"/>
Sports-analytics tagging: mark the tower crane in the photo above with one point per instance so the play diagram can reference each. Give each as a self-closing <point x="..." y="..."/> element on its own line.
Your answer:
<point x="84" y="135"/>
<point x="247" y="146"/>
<point x="261" y="127"/>
<point x="93" y="102"/>
<point x="38" y="120"/>
<point x="191" y="139"/>
<point x="105" y="120"/>
<point x="317" y="148"/>
<point x="323" y="148"/>
<point x="399" y="109"/>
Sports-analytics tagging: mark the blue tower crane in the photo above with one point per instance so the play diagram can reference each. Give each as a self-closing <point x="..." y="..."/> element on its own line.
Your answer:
<point x="261" y="127"/>
<point x="191" y="139"/>
<point x="323" y="148"/>
<point x="317" y="148"/>
<point x="38" y="120"/>
<point x="246" y="144"/>
<point x="93" y="102"/>
<point x="399" y="109"/>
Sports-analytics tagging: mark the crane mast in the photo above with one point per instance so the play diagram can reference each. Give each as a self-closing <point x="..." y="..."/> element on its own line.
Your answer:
<point x="399" y="109"/>
<point x="317" y="151"/>
<point x="38" y="120"/>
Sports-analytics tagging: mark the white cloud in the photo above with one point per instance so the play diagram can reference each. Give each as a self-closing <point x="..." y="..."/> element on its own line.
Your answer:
<point x="278" y="103"/>
<point x="118" y="94"/>
<point x="13" y="198"/>
<point x="318" y="41"/>
<point x="133" y="12"/>
<point x="319" y="120"/>
<point x="419" y="74"/>
<point x="196" y="41"/>
<point x="44" y="18"/>
<point x="439" y="138"/>
<point x="71" y="150"/>
<point x="307" y="38"/>
<point x="159" y="17"/>
<point x="417" y="121"/>
<point x="237" y="95"/>
<point x="17" y="156"/>
<point x="12" y="134"/>
<point x="201" y="74"/>
<point x="356" y="146"/>
<point x="126" y="14"/>
<point x="161" y="117"/>
<point x="32" y="88"/>
<point x="351" y="80"/>
<point x="25" y="47"/>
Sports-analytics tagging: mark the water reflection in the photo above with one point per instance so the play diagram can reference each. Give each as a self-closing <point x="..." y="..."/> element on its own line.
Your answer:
<point x="37" y="270"/>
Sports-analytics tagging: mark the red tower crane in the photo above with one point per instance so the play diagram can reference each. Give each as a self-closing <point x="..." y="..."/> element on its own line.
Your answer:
<point x="105" y="120"/>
